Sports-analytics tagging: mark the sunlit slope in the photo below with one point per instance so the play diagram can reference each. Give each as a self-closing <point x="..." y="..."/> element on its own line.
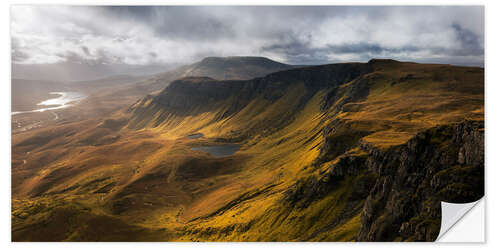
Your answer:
<point x="313" y="142"/>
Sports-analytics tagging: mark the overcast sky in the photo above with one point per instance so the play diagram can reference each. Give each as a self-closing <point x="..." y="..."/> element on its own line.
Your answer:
<point x="295" y="35"/>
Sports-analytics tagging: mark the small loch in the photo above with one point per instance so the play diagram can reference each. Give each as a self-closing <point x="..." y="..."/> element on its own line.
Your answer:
<point x="219" y="150"/>
<point x="195" y="136"/>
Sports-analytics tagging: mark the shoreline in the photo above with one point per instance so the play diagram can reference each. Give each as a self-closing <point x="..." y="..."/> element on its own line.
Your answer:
<point x="58" y="102"/>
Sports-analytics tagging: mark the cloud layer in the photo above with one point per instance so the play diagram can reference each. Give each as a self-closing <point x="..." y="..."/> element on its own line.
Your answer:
<point x="297" y="35"/>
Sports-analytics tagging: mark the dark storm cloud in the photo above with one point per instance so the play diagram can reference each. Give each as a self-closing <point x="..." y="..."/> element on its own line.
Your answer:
<point x="85" y="50"/>
<point x="139" y="13"/>
<point x="298" y="35"/>
<point x="469" y="41"/>
<point x="176" y="22"/>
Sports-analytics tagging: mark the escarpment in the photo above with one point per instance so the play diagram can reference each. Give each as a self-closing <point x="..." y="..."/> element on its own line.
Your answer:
<point x="195" y="95"/>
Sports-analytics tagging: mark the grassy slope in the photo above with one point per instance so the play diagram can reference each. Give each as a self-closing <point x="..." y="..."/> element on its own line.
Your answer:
<point x="157" y="193"/>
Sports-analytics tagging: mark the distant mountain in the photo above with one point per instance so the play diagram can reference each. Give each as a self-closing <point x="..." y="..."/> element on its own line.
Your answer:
<point x="229" y="68"/>
<point x="219" y="68"/>
<point x="222" y="68"/>
<point x="31" y="84"/>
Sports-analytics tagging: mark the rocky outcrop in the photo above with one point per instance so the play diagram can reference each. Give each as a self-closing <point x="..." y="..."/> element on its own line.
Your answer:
<point x="444" y="163"/>
<point x="401" y="188"/>
<point x="307" y="190"/>
<point x="190" y="93"/>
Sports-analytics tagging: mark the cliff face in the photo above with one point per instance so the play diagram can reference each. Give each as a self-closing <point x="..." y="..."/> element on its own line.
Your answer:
<point x="445" y="163"/>
<point x="399" y="191"/>
<point x="195" y="95"/>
